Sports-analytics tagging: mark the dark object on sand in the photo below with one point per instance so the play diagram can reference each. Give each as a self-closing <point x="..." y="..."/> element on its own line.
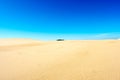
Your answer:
<point x="60" y="40"/>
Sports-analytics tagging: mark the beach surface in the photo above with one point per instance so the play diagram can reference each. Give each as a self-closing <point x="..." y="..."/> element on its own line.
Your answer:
<point x="26" y="59"/>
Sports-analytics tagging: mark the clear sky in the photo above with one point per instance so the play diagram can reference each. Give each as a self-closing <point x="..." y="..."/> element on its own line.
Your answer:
<point x="50" y="19"/>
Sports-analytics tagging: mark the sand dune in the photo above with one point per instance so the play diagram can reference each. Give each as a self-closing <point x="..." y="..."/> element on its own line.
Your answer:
<point x="22" y="59"/>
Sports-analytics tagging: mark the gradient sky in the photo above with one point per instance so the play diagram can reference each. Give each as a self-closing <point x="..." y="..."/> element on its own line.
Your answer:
<point x="59" y="18"/>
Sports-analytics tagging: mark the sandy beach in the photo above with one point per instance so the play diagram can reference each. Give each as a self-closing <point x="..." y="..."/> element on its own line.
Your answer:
<point x="26" y="59"/>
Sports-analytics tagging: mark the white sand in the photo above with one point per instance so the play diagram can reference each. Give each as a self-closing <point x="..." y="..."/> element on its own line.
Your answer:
<point x="22" y="59"/>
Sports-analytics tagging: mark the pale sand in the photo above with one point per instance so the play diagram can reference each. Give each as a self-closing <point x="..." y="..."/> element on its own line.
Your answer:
<point x="22" y="59"/>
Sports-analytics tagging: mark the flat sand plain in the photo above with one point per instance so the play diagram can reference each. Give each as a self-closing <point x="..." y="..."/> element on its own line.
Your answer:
<point x="25" y="59"/>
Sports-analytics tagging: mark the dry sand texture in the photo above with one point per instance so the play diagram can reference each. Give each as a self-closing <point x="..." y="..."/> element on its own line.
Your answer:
<point x="24" y="59"/>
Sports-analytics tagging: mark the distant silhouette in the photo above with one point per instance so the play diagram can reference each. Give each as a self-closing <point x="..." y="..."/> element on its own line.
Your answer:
<point x="60" y="40"/>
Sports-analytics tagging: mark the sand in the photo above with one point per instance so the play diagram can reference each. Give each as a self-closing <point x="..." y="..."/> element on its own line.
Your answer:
<point x="25" y="59"/>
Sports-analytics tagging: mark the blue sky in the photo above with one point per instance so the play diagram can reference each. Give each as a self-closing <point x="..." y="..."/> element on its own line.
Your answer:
<point x="51" y="19"/>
